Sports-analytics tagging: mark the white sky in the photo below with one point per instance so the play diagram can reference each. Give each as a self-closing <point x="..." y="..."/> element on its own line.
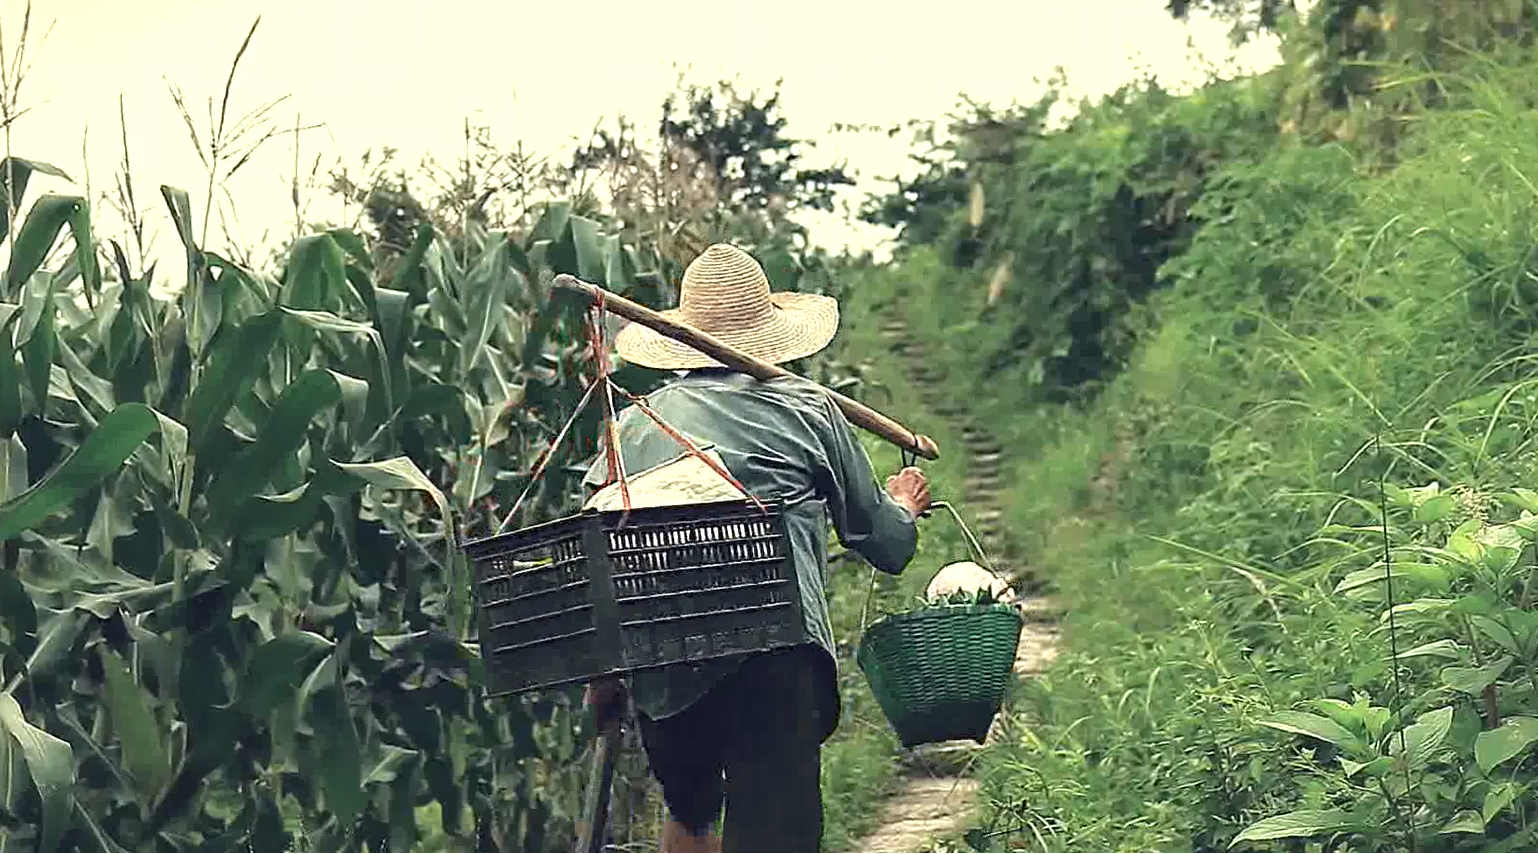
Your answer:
<point x="407" y="74"/>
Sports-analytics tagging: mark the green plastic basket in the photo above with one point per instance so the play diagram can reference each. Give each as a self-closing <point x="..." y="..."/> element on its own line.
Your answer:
<point x="940" y="673"/>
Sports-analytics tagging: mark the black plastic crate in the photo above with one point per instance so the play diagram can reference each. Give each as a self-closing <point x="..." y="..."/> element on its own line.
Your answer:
<point x="581" y="597"/>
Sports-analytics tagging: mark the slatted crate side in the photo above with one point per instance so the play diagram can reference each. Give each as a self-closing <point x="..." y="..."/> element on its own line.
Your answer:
<point x="698" y="588"/>
<point x="537" y="617"/>
<point x="570" y="600"/>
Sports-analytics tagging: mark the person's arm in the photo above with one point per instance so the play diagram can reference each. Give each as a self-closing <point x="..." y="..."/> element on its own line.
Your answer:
<point x="867" y="519"/>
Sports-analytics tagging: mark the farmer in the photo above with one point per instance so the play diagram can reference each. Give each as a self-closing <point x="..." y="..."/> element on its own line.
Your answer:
<point x="747" y="731"/>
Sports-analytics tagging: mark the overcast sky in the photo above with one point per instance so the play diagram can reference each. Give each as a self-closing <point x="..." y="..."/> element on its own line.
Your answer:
<point x="407" y="74"/>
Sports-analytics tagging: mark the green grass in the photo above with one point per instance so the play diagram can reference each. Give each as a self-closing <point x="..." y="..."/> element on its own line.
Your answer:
<point x="1322" y="304"/>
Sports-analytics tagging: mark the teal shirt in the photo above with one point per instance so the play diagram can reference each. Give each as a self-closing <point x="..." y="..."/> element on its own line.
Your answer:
<point x="784" y="438"/>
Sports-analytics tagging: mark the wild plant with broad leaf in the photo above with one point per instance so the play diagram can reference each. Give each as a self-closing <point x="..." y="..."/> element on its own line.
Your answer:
<point x="1447" y="754"/>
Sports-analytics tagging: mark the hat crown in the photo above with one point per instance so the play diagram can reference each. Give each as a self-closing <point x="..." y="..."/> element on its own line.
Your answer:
<point x="724" y="289"/>
<point x="725" y="294"/>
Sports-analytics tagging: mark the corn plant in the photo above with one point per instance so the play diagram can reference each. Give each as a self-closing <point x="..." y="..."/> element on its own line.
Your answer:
<point x="232" y="613"/>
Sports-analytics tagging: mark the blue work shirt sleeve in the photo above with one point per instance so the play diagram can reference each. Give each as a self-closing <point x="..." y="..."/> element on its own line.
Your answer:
<point x="866" y="518"/>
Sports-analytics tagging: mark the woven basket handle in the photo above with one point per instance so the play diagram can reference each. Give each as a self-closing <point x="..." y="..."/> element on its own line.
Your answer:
<point x="972" y="542"/>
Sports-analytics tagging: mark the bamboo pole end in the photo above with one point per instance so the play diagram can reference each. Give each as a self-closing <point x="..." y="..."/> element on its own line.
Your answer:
<point x="570" y="282"/>
<point x="926" y="448"/>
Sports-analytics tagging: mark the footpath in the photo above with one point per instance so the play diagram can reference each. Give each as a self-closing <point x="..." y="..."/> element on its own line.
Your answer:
<point x="935" y="794"/>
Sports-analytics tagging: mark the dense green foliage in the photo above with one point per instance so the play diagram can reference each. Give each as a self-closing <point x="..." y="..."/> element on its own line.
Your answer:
<point x="233" y="611"/>
<point x="231" y="583"/>
<point x="1071" y="222"/>
<point x="1260" y="352"/>
<point x="1338" y="308"/>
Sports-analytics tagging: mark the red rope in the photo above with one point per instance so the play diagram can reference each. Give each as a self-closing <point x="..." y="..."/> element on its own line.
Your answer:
<point x="547" y="455"/>
<point x="615" y="462"/>
<point x="689" y="446"/>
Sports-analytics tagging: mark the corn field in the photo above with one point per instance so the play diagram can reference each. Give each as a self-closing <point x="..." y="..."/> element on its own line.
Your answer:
<point x="233" y="614"/>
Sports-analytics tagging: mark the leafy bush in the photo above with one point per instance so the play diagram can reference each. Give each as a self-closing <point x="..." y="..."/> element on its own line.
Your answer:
<point x="1454" y="588"/>
<point x="1329" y="298"/>
<point x="1071" y="220"/>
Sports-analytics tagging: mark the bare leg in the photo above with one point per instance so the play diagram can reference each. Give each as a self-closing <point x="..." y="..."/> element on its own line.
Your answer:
<point x="677" y="837"/>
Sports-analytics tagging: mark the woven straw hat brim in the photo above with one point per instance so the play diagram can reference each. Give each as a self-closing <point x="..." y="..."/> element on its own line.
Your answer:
<point x="801" y="325"/>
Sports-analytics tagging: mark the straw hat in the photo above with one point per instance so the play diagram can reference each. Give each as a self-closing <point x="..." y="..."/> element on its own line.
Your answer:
<point x="726" y="295"/>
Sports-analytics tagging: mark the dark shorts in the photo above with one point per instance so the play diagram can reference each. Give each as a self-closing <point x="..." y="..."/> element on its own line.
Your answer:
<point x="753" y="743"/>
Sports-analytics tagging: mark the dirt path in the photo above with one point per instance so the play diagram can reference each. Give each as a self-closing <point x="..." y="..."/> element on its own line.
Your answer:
<point x="935" y="795"/>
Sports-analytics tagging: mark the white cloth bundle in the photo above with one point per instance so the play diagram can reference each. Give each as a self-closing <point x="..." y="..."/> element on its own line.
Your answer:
<point x="968" y="577"/>
<point x="685" y="479"/>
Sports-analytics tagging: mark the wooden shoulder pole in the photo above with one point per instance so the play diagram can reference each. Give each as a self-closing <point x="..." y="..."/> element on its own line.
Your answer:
<point x="858" y="413"/>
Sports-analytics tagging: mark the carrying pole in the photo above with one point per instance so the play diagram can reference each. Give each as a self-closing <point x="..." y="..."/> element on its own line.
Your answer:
<point x="600" y="783"/>
<point x="858" y="413"/>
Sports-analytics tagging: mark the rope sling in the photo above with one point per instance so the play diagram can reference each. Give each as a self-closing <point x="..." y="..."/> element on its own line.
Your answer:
<point x="603" y="378"/>
<point x="938" y="673"/>
<point x="594" y="825"/>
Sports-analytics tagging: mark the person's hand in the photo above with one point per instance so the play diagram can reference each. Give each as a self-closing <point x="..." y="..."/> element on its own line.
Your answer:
<point x="910" y="488"/>
<point x="606" y="697"/>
